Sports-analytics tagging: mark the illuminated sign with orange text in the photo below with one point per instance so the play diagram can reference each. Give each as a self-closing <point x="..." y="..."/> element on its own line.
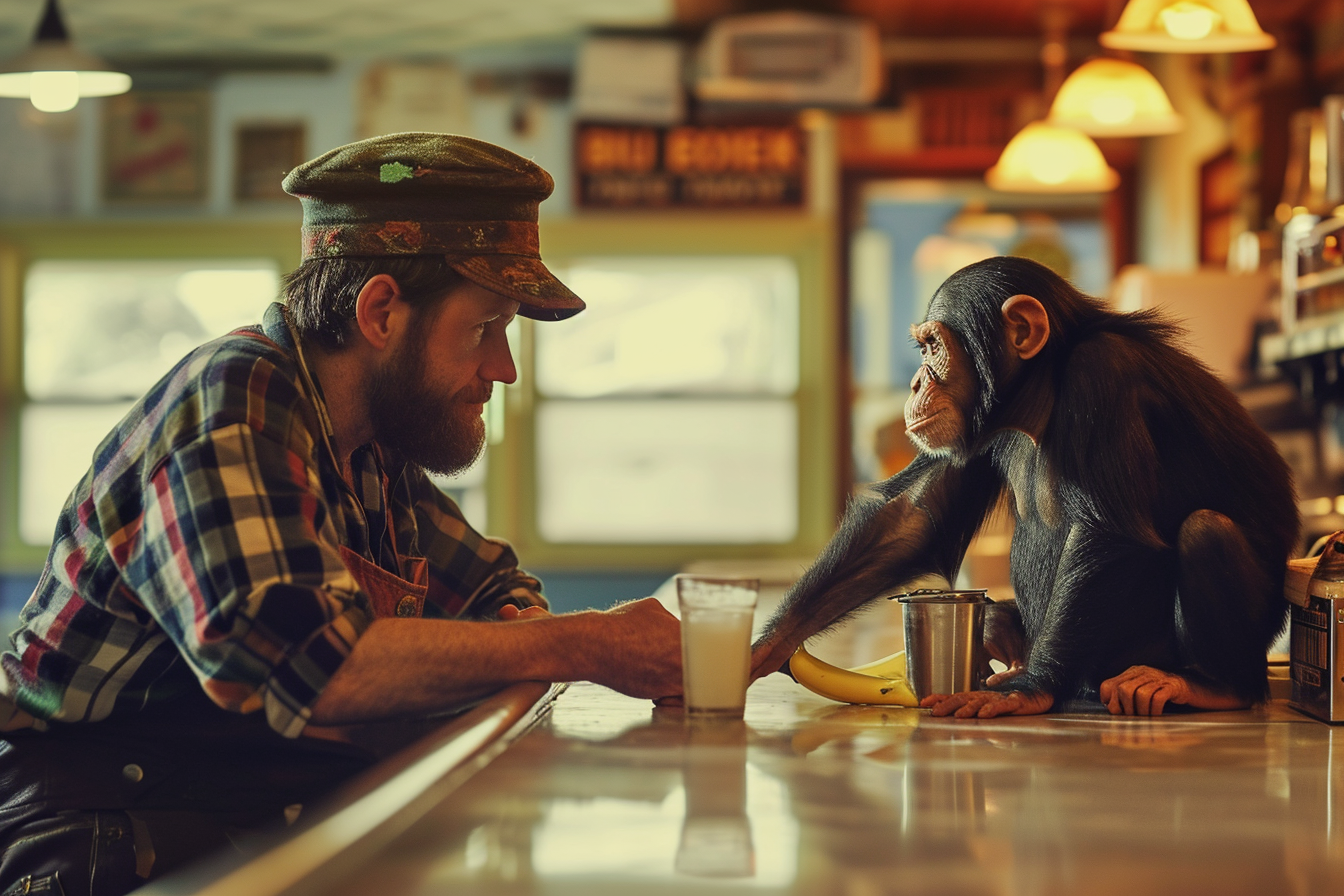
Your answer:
<point x="689" y="166"/>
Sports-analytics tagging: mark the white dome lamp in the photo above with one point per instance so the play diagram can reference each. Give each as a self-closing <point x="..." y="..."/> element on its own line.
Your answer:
<point x="1187" y="26"/>
<point x="1114" y="98"/>
<point x="53" y="73"/>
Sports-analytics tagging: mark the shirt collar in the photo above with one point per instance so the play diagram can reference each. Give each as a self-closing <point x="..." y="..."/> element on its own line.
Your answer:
<point x="275" y="323"/>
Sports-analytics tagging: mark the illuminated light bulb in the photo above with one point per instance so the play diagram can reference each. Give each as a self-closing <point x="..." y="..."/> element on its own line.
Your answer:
<point x="54" y="91"/>
<point x="1189" y="21"/>
<point x="1113" y="108"/>
<point x="1044" y="158"/>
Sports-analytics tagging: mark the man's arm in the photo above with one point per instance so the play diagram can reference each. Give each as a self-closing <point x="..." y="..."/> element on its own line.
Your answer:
<point x="402" y="667"/>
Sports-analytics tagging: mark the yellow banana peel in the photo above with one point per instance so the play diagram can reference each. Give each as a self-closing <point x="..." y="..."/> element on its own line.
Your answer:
<point x="888" y="667"/>
<point x="876" y="682"/>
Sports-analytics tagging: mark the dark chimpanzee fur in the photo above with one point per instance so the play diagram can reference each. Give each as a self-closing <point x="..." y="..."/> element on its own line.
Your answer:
<point x="1153" y="518"/>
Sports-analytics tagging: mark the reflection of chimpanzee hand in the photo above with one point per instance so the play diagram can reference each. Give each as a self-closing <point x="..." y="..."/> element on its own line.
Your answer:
<point x="988" y="704"/>
<point x="1005" y="639"/>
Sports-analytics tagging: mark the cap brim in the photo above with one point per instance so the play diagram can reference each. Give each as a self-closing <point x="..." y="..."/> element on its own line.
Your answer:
<point x="539" y="294"/>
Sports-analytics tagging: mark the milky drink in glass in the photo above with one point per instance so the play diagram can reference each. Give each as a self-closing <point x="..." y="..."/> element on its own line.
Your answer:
<point x="716" y="616"/>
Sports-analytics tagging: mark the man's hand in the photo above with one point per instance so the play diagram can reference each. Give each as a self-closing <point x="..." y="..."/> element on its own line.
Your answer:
<point x="637" y="650"/>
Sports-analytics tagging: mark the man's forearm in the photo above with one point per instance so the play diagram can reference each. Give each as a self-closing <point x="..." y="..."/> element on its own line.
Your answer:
<point x="402" y="667"/>
<point x="406" y="667"/>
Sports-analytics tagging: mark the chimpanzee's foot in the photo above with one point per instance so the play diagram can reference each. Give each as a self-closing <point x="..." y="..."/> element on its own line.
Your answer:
<point x="1145" y="691"/>
<point x="988" y="704"/>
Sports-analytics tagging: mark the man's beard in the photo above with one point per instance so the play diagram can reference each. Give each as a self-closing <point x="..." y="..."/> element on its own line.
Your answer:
<point x="440" y="433"/>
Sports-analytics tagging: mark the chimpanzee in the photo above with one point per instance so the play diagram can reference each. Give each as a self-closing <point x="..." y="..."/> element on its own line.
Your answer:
<point x="1153" y="518"/>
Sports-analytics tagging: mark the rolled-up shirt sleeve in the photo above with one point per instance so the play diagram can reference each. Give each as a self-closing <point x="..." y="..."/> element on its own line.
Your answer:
<point x="470" y="575"/>
<point x="240" y="566"/>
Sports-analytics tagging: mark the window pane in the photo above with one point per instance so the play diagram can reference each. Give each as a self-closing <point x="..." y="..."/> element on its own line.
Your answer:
<point x="671" y="471"/>
<point x="710" y="325"/>
<point x="56" y="445"/>
<point x="111" y="329"/>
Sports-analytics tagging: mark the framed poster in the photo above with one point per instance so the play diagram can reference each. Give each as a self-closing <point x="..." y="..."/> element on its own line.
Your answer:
<point x="155" y="146"/>
<point x="264" y="154"/>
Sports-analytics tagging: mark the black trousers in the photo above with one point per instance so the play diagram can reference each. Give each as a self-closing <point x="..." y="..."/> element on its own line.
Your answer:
<point x="102" y="808"/>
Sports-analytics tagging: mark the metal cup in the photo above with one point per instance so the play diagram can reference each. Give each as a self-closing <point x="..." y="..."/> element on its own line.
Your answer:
<point x="944" y="638"/>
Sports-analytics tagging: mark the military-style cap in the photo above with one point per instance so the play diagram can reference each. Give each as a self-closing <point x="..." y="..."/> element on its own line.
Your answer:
<point x="435" y="194"/>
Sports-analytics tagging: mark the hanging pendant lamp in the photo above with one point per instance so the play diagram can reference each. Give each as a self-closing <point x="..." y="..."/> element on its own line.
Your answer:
<point x="1114" y="98"/>
<point x="1187" y="26"/>
<point x="1044" y="158"/>
<point x="53" y="74"/>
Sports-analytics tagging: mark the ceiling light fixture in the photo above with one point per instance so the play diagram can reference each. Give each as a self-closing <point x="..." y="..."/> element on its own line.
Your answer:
<point x="1187" y="26"/>
<point x="1043" y="158"/>
<point x="53" y="74"/>
<point x="1114" y="98"/>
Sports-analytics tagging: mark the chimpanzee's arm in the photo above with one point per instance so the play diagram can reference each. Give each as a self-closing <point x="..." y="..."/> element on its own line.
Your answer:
<point x="1109" y="591"/>
<point x="920" y="521"/>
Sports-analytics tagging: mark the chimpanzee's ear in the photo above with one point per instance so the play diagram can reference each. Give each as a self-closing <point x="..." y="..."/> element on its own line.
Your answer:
<point x="1026" y="324"/>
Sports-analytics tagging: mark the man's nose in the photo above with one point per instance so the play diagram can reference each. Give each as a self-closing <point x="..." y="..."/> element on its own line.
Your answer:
<point x="500" y="367"/>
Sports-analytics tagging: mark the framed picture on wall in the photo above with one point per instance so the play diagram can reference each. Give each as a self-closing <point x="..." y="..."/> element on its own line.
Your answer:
<point x="265" y="153"/>
<point x="156" y="146"/>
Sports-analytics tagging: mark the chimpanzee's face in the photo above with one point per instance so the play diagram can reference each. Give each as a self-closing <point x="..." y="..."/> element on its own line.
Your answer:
<point x="938" y="411"/>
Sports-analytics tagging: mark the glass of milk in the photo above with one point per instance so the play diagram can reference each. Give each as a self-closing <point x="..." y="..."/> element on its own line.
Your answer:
<point x="716" y="615"/>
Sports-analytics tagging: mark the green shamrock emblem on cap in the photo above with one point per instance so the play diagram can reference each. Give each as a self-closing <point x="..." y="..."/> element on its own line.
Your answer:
<point x="394" y="172"/>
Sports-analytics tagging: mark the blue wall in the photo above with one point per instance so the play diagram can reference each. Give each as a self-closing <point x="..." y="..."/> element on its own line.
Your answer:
<point x="567" y="591"/>
<point x="584" y="590"/>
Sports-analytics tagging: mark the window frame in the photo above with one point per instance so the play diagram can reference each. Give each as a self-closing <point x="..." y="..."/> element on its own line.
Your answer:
<point x="512" y="475"/>
<point x="23" y="243"/>
<point x="511" y="472"/>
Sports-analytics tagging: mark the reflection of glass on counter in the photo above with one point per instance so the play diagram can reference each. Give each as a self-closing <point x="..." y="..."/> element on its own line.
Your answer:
<point x="716" y="834"/>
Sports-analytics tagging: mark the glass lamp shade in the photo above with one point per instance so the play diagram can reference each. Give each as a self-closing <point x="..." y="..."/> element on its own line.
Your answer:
<point x="53" y="73"/>
<point x="1114" y="98"/>
<point x="1187" y="26"/>
<point x="1044" y="158"/>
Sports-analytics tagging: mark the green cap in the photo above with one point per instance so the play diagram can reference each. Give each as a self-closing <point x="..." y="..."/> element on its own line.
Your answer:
<point x="470" y="201"/>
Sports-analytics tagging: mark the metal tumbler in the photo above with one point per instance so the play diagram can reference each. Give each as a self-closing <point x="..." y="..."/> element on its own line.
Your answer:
<point x="944" y="640"/>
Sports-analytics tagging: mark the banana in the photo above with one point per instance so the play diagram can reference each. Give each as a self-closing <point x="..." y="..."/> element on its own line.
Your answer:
<point x="888" y="667"/>
<point x="851" y="685"/>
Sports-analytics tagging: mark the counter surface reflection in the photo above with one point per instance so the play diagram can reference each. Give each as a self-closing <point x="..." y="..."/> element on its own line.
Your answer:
<point x="613" y="796"/>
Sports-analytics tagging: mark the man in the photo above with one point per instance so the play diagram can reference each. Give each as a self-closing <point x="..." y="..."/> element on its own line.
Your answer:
<point x="257" y="551"/>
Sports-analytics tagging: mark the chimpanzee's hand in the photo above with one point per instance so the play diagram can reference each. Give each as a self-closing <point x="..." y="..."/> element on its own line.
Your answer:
<point x="1145" y="691"/>
<point x="770" y="656"/>
<point x="1005" y="639"/>
<point x="1008" y="674"/>
<point x="988" y="704"/>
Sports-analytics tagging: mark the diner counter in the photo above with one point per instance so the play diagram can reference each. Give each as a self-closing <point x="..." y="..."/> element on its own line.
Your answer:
<point x="604" y="794"/>
<point x="611" y="795"/>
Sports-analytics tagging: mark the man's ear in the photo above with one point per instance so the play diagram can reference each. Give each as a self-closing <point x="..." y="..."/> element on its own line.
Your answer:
<point x="1026" y="324"/>
<point x="376" y="309"/>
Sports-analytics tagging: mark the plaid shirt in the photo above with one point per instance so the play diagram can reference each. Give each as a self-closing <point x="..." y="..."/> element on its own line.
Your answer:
<point x="202" y="550"/>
